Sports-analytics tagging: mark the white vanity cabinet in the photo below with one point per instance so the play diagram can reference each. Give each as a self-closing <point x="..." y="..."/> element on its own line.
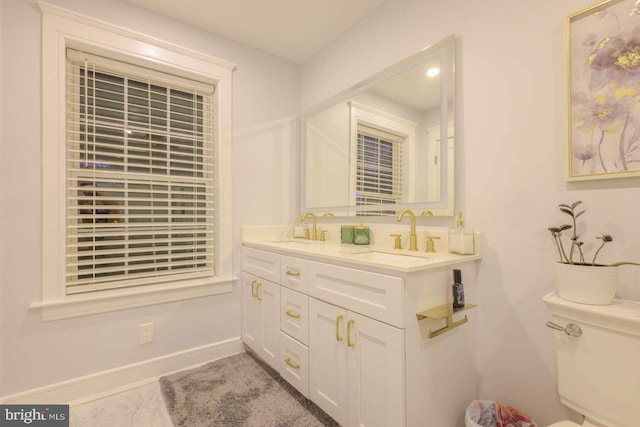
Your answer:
<point x="261" y="316"/>
<point x="356" y="367"/>
<point x="261" y="303"/>
<point x="356" y="360"/>
<point x="350" y="339"/>
<point x="275" y="313"/>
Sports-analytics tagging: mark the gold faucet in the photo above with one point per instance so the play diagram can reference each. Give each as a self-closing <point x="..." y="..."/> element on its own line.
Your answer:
<point x="314" y="230"/>
<point x="413" y="239"/>
<point x="426" y="212"/>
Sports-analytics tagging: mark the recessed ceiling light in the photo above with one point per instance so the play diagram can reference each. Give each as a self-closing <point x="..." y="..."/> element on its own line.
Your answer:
<point x="432" y="72"/>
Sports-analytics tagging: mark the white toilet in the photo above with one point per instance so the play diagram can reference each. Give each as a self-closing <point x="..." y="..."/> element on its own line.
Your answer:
<point x="598" y="360"/>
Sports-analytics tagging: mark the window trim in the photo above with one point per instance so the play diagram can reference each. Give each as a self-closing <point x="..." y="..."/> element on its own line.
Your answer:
<point x="62" y="29"/>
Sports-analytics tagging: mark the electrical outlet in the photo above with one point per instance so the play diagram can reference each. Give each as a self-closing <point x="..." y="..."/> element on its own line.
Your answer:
<point x="146" y="333"/>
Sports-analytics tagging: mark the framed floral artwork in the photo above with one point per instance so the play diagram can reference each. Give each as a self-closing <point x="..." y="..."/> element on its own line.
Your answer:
<point x="604" y="91"/>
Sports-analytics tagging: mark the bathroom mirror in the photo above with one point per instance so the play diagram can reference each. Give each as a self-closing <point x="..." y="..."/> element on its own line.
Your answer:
<point x="387" y="143"/>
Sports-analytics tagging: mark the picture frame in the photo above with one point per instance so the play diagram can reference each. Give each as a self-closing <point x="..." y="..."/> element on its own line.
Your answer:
<point x="603" y="55"/>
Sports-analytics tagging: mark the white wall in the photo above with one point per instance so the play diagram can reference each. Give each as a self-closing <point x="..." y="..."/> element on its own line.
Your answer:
<point x="511" y="167"/>
<point x="265" y="113"/>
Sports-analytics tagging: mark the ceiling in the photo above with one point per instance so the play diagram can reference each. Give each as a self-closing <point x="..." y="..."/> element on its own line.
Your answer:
<point x="291" y="29"/>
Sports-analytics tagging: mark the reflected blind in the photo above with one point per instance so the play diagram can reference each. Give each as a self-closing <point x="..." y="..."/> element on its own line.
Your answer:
<point x="140" y="183"/>
<point x="378" y="167"/>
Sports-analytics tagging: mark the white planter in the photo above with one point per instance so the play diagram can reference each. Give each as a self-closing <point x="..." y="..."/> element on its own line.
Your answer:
<point x="586" y="284"/>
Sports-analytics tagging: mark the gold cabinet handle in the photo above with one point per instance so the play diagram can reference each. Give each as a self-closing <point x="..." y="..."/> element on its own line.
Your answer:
<point x="292" y="273"/>
<point x="290" y="363"/>
<point x="338" y="337"/>
<point x="349" y="323"/>
<point x="258" y="287"/>
<point x="253" y="285"/>
<point x="290" y="314"/>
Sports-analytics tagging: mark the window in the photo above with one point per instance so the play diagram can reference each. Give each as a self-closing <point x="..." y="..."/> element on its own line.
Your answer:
<point x="140" y="176"/>
<point x="136" y="169"/>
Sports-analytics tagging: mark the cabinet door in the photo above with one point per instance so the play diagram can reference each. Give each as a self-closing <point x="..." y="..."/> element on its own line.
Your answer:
<point x="251" y="309"/>
<point x="268" y="294"/>
<point x="261" y="317"/>
<point x="328" y="359"/>
<point x="376" y="372"/>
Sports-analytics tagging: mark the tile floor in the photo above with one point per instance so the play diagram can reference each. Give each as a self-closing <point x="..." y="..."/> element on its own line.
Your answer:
<point x="140" y="407"/>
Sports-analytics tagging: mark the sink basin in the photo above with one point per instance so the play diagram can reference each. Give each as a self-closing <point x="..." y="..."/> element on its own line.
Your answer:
<point x="292" y="243"/>
<point x="389" y="257"/>
<point x="403" y="254"/>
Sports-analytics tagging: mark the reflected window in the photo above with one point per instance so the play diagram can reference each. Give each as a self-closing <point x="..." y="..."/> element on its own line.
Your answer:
<point x="380" y="147"/>
<point x="378" y="167"/>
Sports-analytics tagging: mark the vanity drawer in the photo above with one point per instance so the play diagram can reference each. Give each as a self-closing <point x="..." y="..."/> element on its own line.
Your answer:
<point x="294" y="314"/>
<point x="372" y="294"/>
<point x="294" y="363"/>
<point x="261" y="263"/>
<point x="294" y="274"/>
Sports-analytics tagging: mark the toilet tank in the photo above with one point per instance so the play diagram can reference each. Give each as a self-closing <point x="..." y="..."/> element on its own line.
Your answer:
<point x="599" y="372"/>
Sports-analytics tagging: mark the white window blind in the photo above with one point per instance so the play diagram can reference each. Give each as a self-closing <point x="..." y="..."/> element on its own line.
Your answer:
<point x="378" y="167"/>
<point x="140" y="156"/>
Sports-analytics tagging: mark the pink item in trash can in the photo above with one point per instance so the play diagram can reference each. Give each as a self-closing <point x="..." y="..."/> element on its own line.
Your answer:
<point x="487" y="413"/>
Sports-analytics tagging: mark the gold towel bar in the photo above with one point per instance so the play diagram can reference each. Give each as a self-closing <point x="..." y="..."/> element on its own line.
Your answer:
<point x="444" y="312"/>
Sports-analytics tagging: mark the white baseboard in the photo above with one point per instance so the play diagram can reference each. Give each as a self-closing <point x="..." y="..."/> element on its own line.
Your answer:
<point x="101" y="384"/>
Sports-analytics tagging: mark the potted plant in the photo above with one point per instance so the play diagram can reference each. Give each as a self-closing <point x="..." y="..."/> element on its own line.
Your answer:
<point x="579" y="278"/>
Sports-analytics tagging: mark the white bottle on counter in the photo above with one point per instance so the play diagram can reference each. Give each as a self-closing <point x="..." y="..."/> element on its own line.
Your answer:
<point x="461" y="239"/>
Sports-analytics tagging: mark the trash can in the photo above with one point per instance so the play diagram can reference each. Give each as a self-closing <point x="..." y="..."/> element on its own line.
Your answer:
<point x="487" y="413"/>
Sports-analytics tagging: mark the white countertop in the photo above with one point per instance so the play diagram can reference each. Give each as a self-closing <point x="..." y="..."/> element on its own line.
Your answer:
<point x="359" y="256"/>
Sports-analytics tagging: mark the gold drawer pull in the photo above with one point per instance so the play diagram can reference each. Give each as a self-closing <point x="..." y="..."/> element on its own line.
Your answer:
<point x="290" y="314"/>
<point x="349" y="323"/>
<point x="290" y="363"/>
<point x="253" y="285"/>
<point x="338" y="337"/>
<point x="258" y="287"/>
<point x="291" y="273"/>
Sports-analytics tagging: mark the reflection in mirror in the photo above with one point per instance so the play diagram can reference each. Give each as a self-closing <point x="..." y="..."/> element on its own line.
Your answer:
<point x="387" y="143"/>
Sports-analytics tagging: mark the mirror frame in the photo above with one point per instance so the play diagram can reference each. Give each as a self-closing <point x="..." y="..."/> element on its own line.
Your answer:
<point x="443" y="207"/>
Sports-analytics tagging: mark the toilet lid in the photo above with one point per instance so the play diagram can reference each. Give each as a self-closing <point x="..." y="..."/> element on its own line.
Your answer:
<point x="565" y="424"/>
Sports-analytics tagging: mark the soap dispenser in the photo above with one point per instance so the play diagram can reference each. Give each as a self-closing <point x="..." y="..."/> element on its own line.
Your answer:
<point x="461" y="238"/>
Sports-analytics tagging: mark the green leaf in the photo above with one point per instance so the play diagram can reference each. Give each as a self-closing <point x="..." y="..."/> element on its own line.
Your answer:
<point x="564" y="227"/>
<point x="573" y="206"/>
<point x="578" y="214"/>
<point x="567" y="211"/>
